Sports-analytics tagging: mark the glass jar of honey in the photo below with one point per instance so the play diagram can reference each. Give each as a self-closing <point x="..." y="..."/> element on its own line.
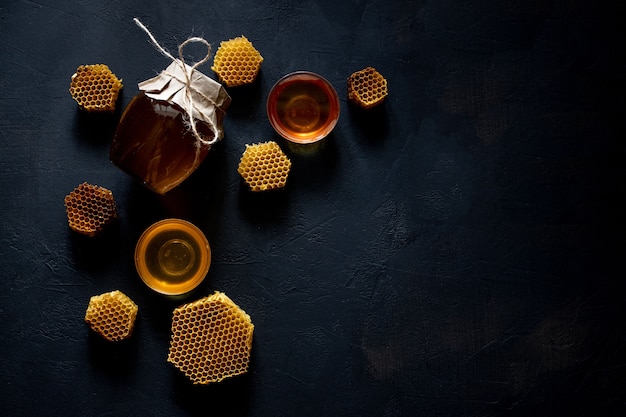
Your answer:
<point x="154" y="141"/>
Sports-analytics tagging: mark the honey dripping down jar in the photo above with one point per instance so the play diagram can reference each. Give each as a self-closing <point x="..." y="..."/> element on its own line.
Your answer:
<point x="154" y="142"/>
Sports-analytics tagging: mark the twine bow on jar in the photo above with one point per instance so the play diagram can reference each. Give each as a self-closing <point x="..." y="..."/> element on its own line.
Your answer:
<point x="201" y="97"/>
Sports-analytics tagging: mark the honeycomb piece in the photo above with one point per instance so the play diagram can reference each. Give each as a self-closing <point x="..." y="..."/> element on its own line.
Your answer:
<point x="112" y="315"/>
<point x="264" y="166"/>
<point x="367" y="87"/>
<point x="90" y="208"/>
<point x="95" y="88"/>
<point x="237" y="62"/>
<point x="211" y="339"/>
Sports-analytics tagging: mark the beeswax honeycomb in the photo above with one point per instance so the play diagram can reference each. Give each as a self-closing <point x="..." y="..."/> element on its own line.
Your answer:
<point x="112" y="315"/>
<point x="367" y="87"/>
<point x="237" y="62"/>
<point x="264" y="166"/>
<point x="90" y="208"/>
<point x="211" y="339"/>
<point x="95" y="88"/>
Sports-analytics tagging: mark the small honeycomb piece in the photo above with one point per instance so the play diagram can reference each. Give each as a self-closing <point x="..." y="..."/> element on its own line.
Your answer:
<point x="90" y="208"/>
<point x="264" y="166"/>
<point x="367" y="87"/>
<point x="112" y="315"/>
<point x="237" y="62"/>
<point x="211" y="339"/>
<point x="95" y="88"/>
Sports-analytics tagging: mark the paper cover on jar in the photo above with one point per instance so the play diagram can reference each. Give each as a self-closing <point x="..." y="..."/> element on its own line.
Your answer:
<point x="209" y="99"/>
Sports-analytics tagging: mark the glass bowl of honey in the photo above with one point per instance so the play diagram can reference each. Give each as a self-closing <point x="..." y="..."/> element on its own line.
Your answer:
<point x="303" y="107"/>
<point x="172" y="256"/>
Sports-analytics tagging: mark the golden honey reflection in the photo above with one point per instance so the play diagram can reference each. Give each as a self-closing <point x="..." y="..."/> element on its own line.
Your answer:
<point x="172" y="256"/>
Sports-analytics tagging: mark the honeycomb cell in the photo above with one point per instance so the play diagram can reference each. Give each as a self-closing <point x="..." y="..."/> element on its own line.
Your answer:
<point x="112" y="315"/>
<point x="264" y="166"/>
<point x="237" y="62"/>
<point x="367" y="88"/>
<point x="90" y="208"/>
<point x="211" y="339"/>
<point x="95" y="88"/>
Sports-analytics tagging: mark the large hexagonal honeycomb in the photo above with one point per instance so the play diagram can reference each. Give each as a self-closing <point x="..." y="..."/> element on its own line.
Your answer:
<point x="264" y="166"/>
<point x="95" y="87"/>
<point x="112" y="315"/>
<point x="367" y="87"/>
<point x="237" y="62"/>
<point x="211" y="339"/>
<point x="90" y="208"/>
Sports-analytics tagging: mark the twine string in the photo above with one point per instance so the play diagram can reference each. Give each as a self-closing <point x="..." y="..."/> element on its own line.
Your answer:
<point x="188" y="71"/>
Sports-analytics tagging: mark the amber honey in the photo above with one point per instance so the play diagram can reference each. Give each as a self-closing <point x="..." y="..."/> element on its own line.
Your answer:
<point x="303" y="107"/>
<point x="153" y="143"/>
<point x="172" y="256"/>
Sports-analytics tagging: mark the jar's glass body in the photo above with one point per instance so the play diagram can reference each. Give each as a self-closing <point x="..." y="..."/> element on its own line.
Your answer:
<point x="154" y="144"/>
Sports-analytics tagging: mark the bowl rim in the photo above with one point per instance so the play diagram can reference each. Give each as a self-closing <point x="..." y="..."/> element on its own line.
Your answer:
<point x="141" y="246"/>
<point x="331" y="125"/>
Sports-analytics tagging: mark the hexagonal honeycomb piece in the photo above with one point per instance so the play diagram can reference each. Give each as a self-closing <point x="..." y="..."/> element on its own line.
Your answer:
<point x="211" y="339"/>
<point x="90" y="208"/>
<point x="112" y="315"/>
<point x="264" y="166"/>
<point x="237" y="62"/>
<point x="95" y="88"/>
<point x="367" y="88"/>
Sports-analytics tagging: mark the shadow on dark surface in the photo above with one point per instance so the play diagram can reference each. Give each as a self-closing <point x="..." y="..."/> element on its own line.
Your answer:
<point x="116" y="360"/>
<point x="372" y="124"/>
<point x="306" y="150"/>
<point x="312" y="163"/>
<point x="246" y="99"/>
<point x="230" y="397"/>
<point x="209" y="181"/>
<point x="143" y="207"/>
<point x="162" y="308"/>
<point x="97" y="127"/>
<point x="198" y="199"/>
<point x="94" y="253"/>
<point x="264" y="206"/>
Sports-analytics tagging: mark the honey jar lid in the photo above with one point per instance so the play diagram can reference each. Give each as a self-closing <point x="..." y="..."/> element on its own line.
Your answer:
<point x="172" y="256"/>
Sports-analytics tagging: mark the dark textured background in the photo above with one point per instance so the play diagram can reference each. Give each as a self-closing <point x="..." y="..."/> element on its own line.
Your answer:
<point x="457" y="251"/>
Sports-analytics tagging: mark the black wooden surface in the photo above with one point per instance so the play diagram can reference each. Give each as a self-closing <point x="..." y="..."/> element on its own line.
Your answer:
<point x="457" y="251"/>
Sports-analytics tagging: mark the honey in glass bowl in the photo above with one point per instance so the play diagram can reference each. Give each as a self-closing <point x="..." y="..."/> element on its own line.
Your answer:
<point x="303" y="107"/>
<point x="172" y="257"/>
